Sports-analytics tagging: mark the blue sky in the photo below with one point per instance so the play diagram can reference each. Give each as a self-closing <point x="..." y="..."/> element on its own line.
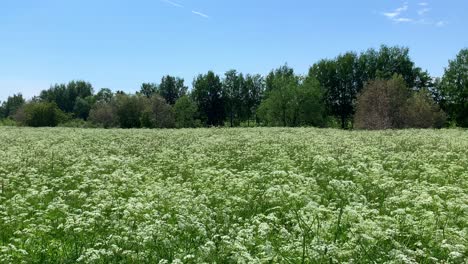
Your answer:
<point x="121" y="43"/>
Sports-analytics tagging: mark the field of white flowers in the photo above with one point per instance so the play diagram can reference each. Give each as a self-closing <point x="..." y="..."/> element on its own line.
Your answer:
<point x="263" y="195"/>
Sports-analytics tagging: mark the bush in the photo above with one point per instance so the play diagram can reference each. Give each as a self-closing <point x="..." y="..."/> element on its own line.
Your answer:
<point x="157" y="113"/>
<point x="129" y="110"/>
<point x="8" y="122"/>
<point x="421" y="111"/>
<point x="40" y="114"/>
<point x="185" y="111"/>
<point x="389" y="104"/>
<point x="380" y="104"/>
<point x="103" y="114"/>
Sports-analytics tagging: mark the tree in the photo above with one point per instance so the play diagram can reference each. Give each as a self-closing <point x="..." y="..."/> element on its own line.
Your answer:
<point x="277" y="109"/>
<point x="381" y="104"/>
<point x="232" y="88"/>
<point x="157" y="113"/>
<point x="104" y="114"/>
<point x="172" y="88"/>
<point x="283" y="72"/>
<point x="386" y="62"/>
<point x="185" y="111"/>
<point x="40" y="114"/>
<point x="421" y="111"/>
<point x="65" y="96"/>
<point x="104" y="95"/>
<point x="454" y="89"/>
<point x="11" y="105"/>
<point x="148" y="89"/>
<point x="293" y="102"/>
<point x="252" y="95"/>
<point x="207" y="94"/>
<point x="82" y="107"/>
<point x="128" y="110"/>
<point x="310" y="103"/>
<point x="344" y="77"/>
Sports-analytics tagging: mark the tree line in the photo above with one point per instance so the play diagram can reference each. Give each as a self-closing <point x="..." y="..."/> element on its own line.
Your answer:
<point x="375" y="89"/>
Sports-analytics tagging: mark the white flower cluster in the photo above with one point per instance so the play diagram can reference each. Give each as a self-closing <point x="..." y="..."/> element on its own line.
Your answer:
<point x="263" y="195"/>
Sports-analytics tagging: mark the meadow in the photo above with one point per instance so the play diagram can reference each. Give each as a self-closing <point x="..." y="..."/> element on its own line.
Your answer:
<point x="251" y="195"/>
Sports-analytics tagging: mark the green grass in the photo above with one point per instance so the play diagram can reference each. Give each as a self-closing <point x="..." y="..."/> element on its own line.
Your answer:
<point x="252" y="195"/>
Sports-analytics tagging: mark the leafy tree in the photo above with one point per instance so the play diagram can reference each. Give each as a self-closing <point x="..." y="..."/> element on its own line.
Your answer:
<point x="293" y="102"/>
<point x="82" y="107"/>
<point x="11" y="105"/>
<point x="40" y="114"/>
<point x="277" y="109"/>
<point x="172" y="88"/>
<point x="283" y="72"/>
<point x="148" y="89"/>
<point x="207" y="94"/>
<point x="233" y="84"/>
<point x="454" y="89"/>
<point x="252" y="95"/>
<point x="157" y="113"/>
<point x="339" y="93"/>
<point x="421" y="111"/>
<point x="310" y="103"/>
<point x="386" y="62"/>
<point x="129" y="110"/>
<point x="344" y="77"/>
<point x="185" y="111"/>
<point x="65" y="96"/>
<point x="104" y="95"/>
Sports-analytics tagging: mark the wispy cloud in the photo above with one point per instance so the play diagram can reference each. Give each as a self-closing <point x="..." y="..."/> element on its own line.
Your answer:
<point x="395" y="15"/>
<point x="173" y="3"/>
<point x="200" y="14"/>
<point x="400" y="15"/>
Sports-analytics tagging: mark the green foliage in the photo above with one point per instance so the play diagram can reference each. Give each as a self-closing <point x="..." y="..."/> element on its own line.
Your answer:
<point x="11" y="105"/>
<point x="185" y="111"/>
<point x="233" y="86"/>
<point x="129" y="110"/>
<point x="148" y="89"/>
<point x="66" y="95"/>
<point x="172" y="88"/>
<point x="454" y="89"/>
<point x="157" y="113"/>
<point x="40" y="114"/>
<point x="344" y="77"/>
<point x="104" y="95"/>
<point x="207" y="94"/>
<point x="421" y="111"/>
<point x="252" y="96"/>
<point x="82" y="107"/>
<point x="291" y="101"/>
<point x="257" y="195"/>
<point x="8" y="122"/>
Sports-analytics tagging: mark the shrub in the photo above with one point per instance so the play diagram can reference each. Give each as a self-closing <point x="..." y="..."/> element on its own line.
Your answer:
<point x="40" y="114"/>
<point x="185" y="111"/>
<point x="421" y="111"/>
<point x="103" y="114"/>
<point x="8" y="122"/>
<point x="157" y="113"/>
<point x="380" y="104"/>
